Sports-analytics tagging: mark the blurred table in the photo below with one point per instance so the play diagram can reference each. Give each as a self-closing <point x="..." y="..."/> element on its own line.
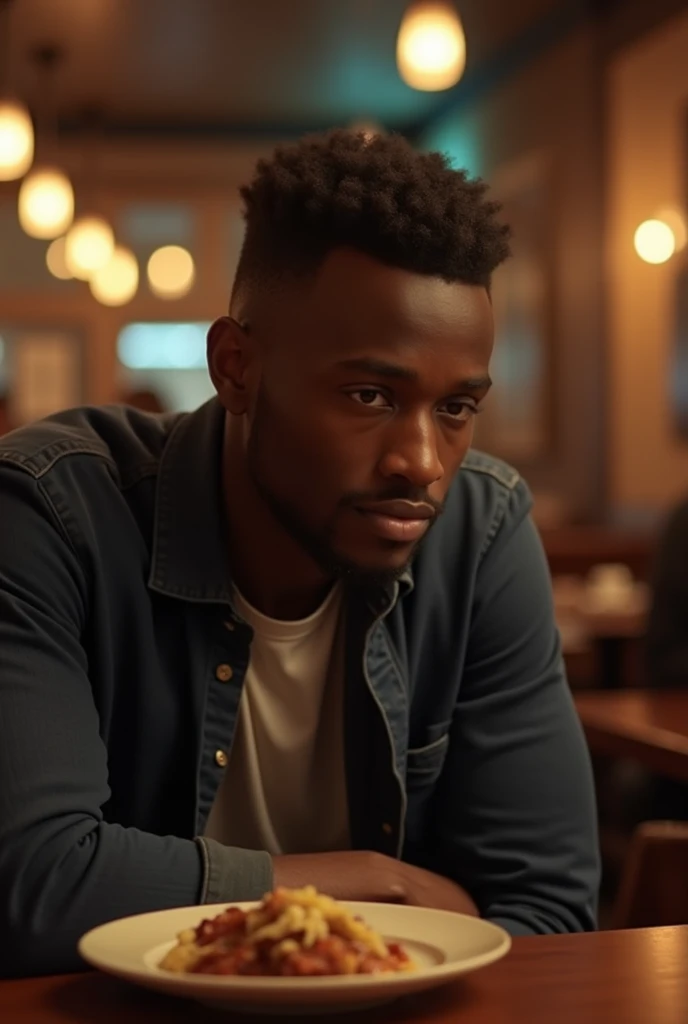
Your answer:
<point x="610" y="633"/>
<point x="650" y="726"/>
<point x="630" y="977"/>
<point x="609" y="622"/>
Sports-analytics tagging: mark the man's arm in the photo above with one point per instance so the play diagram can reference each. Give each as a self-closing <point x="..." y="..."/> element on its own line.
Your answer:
<point x="667" y="632"/>
<point x="514" y="814"/>
<point x="63" y="869"/>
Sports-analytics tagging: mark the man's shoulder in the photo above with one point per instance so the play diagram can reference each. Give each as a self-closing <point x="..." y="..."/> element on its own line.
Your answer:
<point x="489" y="469"/>
<point x="488" y="499"/>
<point x="488" y="489"/>
<point x="131" y="442"/>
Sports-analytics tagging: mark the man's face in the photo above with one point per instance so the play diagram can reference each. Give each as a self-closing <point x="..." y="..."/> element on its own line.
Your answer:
<point x="362" y="408"/>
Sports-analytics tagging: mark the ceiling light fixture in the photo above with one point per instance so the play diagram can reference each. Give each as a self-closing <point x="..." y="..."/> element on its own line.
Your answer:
<point x="654" y="241"/>
<point x="16" y="126"/>
<point x="431" y="46"/>
<point x="116" y="283"/>
<point x="46" y="196"/>
<point x="171" y="272"/>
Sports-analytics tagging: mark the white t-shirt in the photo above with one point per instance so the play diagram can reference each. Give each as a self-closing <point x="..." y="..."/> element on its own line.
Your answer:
<point x="284" y="788"/>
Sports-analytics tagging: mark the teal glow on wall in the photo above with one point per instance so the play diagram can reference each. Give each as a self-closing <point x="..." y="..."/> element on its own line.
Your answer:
<point x="457" y="141"/>
<point x="163" y="346"/>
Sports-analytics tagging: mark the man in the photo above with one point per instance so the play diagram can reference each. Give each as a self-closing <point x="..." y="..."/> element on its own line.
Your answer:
<point x="302" y="634"/>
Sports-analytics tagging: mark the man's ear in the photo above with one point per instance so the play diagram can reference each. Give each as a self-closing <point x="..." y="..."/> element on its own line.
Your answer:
<point x="231" y="363"/>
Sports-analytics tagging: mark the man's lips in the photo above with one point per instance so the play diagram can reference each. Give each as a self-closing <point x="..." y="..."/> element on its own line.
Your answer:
<point x="399" y="509"/>
<point x="401" y="521"/>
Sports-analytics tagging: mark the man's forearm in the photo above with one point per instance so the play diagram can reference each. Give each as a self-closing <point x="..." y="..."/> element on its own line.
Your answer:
<point x="69" y="876"/>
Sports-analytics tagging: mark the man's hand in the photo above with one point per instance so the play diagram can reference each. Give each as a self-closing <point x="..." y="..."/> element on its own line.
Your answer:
<point x="372" y="877"/>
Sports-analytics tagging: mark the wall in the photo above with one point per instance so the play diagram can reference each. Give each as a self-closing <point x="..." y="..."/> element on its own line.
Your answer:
<point x="202" y="176"/>
<point x="647" y="142"/>
<point x="551" y="112"/>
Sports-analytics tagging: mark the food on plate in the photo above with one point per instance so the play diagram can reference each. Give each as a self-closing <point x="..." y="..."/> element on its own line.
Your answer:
<point x="291" y="933"/>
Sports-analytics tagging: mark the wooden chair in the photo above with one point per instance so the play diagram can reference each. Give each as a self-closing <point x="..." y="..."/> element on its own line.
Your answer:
<point x="654" y="882"/>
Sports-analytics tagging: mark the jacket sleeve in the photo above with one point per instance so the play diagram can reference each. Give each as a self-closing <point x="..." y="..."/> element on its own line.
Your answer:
<point x="667" y="632"/>
<point x="515" y="811"/>
<point x="63" y="869"/>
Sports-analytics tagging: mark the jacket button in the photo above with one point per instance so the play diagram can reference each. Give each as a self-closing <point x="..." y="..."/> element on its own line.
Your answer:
<point x="221" y="758"/>
<point x="229" y="625"/>
<point x="224" y="673"/>
<point x="387" y="828"/>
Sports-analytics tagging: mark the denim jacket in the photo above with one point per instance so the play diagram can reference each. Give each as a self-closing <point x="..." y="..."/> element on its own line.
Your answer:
<point x="463" y="752"/>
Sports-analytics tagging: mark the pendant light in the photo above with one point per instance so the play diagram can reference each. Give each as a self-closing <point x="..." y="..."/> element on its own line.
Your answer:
<point x="654" y="241"/>
<point x="117" y="281"/>
<point x="46" y="197"/>
<point x="46" y="203"/>
<point x="431" y="46"/>
<point x="90" y="242"/>
<point x="16" y="139"/>
<point x="171" y="272"/>
<point x="16" y="126"/>
<point x="55" y="260"/>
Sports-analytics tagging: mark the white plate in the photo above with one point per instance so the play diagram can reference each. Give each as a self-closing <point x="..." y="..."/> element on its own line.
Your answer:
<point x="443" y="945"/>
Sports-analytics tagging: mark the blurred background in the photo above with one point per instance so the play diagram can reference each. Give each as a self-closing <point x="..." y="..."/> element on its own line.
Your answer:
<point x="126" y="127"/>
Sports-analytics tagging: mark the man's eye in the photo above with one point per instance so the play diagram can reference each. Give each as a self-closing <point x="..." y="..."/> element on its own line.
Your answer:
<point x="460" y="410"/>
<point x="370" y="396"/>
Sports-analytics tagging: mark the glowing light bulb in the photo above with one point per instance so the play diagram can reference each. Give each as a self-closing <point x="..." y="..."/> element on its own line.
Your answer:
<point x="654" y="241"/>
<point x="55" y="260"/>
<point x="88" y="246"/>
<point x="116" y="282"/>
<point x="16" y="140"/>
<point x="431" y="46"/>
<point x="46" y="203"/>
<point x="171" y="272"/>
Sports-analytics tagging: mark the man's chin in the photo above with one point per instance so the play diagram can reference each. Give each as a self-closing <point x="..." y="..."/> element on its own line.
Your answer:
<point x="374" y="573"/>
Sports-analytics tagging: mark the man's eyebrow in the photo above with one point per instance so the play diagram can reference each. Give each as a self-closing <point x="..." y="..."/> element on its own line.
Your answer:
<point x="381" y="368"/>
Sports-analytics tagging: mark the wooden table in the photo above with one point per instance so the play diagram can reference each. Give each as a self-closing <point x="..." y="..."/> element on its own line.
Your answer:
<point x="611" y="634"/>
<point x="650" y="726"/>
<point x="633" y="977"/>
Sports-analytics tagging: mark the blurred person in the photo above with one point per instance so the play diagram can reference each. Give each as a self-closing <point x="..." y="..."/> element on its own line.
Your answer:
<point x="303" y="634"/>
<point x="667" y="631"/>
<point x="666" y="652"/>
<point x="5" y="419"/>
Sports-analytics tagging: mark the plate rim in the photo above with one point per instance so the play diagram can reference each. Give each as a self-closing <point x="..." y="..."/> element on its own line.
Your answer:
<point x="232" y="987"/>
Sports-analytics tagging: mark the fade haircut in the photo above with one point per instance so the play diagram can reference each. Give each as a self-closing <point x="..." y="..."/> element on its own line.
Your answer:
<point x="376" y="194"/>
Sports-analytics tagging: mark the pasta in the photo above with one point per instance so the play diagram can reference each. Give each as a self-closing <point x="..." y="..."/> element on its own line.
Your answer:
<point x="291" y="933"/>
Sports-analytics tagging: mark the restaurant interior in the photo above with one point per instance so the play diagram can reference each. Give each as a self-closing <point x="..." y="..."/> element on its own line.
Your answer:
<point x="126" y="130"/>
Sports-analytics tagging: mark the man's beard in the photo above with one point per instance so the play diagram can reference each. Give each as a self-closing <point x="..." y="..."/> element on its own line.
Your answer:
<point x="318" y="544"/>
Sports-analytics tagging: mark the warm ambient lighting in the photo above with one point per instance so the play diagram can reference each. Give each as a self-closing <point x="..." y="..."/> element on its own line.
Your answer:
<point x="55" y="260"/>
<point x="46" y="203"/>
<point x="88" y="247"/>
<point x="115" y="283"/>
<point x="171" y="272"/>
<point x="16" y="140"/>
<point x="654" y="241"/>
<point x="368" y="129"/>
<point x="431" y="46"/>
<point x="676" y="220"/>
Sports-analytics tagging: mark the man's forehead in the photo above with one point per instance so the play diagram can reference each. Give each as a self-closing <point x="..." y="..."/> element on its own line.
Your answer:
<point x="355" y="291"/>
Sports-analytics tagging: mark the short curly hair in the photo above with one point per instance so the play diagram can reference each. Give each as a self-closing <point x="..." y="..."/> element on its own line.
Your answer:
<point x="376" y="194"/>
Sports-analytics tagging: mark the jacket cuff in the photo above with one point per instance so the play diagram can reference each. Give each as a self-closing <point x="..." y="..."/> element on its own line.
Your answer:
<point x="231" y="874"/>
